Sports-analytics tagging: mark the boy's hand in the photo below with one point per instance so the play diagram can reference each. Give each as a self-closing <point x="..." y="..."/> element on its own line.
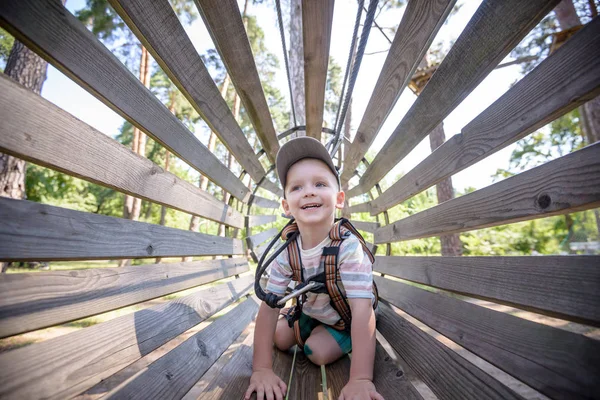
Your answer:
<point x="360" y="389"/>
<point x="267" y="385"/>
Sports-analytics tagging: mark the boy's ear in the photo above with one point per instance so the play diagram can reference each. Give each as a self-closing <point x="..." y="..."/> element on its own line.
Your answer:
<point x="286" y="207"/>
<point x="340" y="198"/>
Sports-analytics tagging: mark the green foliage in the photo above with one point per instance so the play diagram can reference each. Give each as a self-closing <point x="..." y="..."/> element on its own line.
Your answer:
<point x="6" y="44"/>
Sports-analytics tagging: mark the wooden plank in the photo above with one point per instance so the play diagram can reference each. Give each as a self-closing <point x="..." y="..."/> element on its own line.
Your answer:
<point x="256" y="220"/>
<point x="562" y="82"/>
<point x="360" y="208"/>
<point x="173" y="375"/>
<point x="53" y="138"/>
<point x="558" y="363"/>
<point x="317" y="17"/>
<point x="262" y="202"/>
<point x="156" y="25"/>
<point x="31" y="231"/>
<point x="306" y="382"/>
<point x="565" y="287"/>
<point x="259" y="238"/>
<point x="371" y="247"/>
<point x="69" y="364"/>
<point x="420" y="23"/>
<point x="567" y="184"/>
<point x="68" y="45"/>
<point x="446" y="373"/>
<point x="272" y="187"/>
<point x="388" y="378"/>
<point x="225" y="25"/>
<point x="365" y="226"/>
<point x="233" y="380"/>
<point x="37" y="300"/>
<point x="495" y="29"/>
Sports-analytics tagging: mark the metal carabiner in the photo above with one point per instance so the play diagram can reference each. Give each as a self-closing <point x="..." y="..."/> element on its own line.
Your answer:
<point x="310" y="286"/>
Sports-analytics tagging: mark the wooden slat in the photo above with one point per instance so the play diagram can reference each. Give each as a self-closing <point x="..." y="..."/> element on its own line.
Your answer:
<point x="256" y="220"/>
<point x="420" y="23"/>
<point x="37" y="300"/>
<point x="56" y="35"/>
<point x="388" y="378"/>
<point x="447" y="374"/>
<point x="365" y="226"/>
<point x="262" y="202"/>
<point x="257" y="239"/>
<point x="225" y="25"/>
<point x="306" y="382"/>
<point x="570" y="183"/>
<point x="495" y="29"/>
<point x="562" y="82"/>
<point x="156" y="25"/>
<point x="556" y="362"/>
<point x="69" y="364"/>
<point x="359" y="208"/>
<point x="566" y="287"/>
<point x="272" y="187"/>
<point x="53" y="138"/>
<point x="31" y="231"/>
<point x="317" y="16"/>
<point x="371" y="247"/>
<point x="174" y="374"/>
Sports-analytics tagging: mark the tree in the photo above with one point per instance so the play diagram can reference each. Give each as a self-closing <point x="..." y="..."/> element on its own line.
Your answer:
<point x="296" y="57"/>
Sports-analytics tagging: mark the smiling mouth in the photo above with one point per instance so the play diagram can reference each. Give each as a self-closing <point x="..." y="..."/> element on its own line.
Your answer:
<point x="310" y="206"/>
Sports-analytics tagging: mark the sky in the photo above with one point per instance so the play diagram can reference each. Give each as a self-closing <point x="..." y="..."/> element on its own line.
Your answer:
<point x="68" y="95"/>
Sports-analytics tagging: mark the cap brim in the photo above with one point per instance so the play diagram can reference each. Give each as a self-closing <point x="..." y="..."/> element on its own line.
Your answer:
<point x="298" y="149"/>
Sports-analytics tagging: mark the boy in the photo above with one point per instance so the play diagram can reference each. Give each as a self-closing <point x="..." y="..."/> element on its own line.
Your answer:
<point x="312" y="193"/>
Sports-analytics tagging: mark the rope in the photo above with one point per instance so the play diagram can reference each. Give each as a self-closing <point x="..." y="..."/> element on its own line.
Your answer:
<point x="359" y="55"/>
<point x="287" y="66"/>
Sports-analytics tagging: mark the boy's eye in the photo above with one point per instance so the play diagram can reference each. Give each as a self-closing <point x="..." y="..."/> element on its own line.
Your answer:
<point x="295" y="188"/>
<point x="321" y="184"/>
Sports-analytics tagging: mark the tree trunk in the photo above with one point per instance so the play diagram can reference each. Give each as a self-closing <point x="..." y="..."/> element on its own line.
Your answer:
<point x="28" y="69"/>
<point x="451" y="244"/>
<point x="296" y="58"/>
<point x="133" y="205"/>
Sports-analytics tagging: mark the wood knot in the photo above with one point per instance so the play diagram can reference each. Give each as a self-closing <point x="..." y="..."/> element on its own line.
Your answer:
<point x="543" y="201"/>
<point x="201" y="347"/>
<point x="150" y="250"/>
<point x="399" y="373"/>
<point x="169" y="376"/>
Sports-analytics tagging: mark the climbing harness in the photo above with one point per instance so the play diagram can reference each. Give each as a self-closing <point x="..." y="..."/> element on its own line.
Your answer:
<point x="325" y="282"/>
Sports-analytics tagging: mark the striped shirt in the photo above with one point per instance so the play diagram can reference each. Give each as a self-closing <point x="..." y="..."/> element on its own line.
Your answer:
<point x="355" y="271"/>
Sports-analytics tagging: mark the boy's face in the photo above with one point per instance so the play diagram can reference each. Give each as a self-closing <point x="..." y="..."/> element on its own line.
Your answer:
<point x="312" y="193"/>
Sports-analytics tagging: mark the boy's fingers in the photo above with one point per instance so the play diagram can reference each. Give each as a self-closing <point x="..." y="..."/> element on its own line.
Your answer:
<point x="376" y="396"/>
<point x="283" y="386"/>
<point x="278" y="394"/>
<point x="260" y="393"/>
<point x="251" y="389"/>
<point x="269" y="393"/>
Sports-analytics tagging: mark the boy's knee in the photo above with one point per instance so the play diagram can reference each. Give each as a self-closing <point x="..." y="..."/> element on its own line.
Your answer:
<point x="315" y="354"/>
<point x="282" y="339"/>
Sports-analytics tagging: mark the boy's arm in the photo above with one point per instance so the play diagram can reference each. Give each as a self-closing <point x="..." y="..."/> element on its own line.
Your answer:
<point x="264" y="381"/>
<point x="360" y="385"/>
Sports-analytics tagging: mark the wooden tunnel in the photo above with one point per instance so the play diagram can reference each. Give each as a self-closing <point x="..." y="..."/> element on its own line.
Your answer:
<point x="446" y="338"/>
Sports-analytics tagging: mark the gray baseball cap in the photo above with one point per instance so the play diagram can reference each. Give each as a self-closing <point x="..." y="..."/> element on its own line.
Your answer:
<point x="298" y="149"/>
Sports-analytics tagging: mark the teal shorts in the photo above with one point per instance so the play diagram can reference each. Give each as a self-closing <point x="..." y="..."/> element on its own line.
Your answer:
<point x="343" y="339"/>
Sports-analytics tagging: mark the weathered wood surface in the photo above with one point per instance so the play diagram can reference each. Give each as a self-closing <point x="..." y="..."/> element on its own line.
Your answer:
<point x="420" y="23"/>
<point x="446" y="373"/>
<point x="566" y="287"/>
<point x="365" y="226"/>
<point x="53" y="138"/>
<point x="259" y="238"/>
<point x="562" y="82"/>
<point x="558" y="363"/>
<point x="37" y="300"/>
<point x="68" y="45"/>
<point x="156" y="25"/>
<point x="262" y="202"/>
<point x="64" y="366"/>
<point x="272" y="187"/>
<point x="567" y="184"/>
<point x="495" y="29"/>
<point x="359" y="208"/>
<point x="306" y="382"/>
<point x="317" y="16"/>
<point x="174" y="374"/>
<point x="388" y="378"/>
<point x="225" y="25"/>
<point x="38" y="232"/>
<point x="256" y="220"/>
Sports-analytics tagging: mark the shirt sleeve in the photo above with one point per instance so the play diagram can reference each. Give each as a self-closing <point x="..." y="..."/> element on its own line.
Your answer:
<point x="356" y="269"/>
<point x="281" y="274"/>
